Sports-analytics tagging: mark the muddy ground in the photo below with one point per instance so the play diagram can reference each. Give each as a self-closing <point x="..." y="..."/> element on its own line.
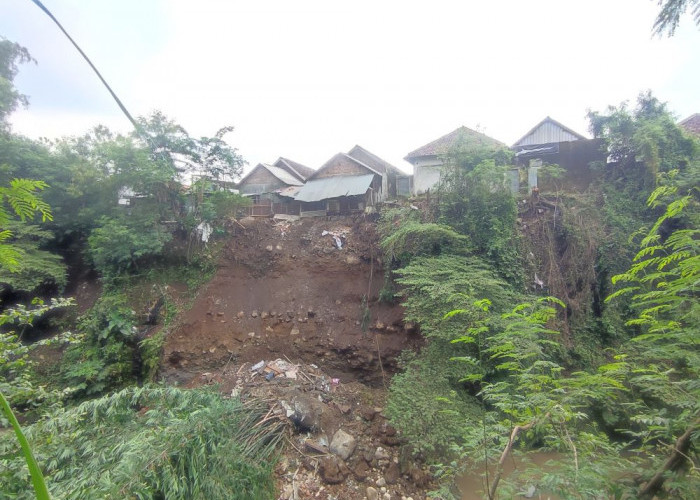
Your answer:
<point x="305" y="295"/>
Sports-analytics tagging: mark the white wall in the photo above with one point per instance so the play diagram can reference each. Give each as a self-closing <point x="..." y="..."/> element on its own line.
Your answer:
<point x="426" y="174"/>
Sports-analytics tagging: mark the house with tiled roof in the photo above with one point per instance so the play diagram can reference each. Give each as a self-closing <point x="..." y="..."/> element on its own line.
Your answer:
<point x="428" y="160"/>
<point x="691" y="124"/>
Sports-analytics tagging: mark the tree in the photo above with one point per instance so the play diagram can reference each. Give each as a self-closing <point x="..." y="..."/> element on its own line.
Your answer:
<point x="670" y="15"/>
<point x="663" y="285"/>
<point x="11" y="55"/>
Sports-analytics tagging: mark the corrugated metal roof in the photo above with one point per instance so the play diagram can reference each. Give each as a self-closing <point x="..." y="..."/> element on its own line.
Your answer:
<point x="283" y="175"/>
<point x="334" y="187"/>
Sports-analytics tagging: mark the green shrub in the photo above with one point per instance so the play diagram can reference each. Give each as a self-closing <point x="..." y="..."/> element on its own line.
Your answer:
<point x="105" y="357"/>
<point x="151" y="442"/>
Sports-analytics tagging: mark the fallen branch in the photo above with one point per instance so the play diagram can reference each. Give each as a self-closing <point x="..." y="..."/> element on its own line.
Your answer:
<point x="673" y="463"/>
<point x="506" y="451"/>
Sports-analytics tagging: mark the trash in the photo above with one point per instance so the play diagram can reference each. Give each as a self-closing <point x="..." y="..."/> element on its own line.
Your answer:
<point x="538" y="282"/>
<point x="336" y="238"/>
<point x="204" y="231"/>
<point x="270" y="376"/>
<point x="257" y="366"/>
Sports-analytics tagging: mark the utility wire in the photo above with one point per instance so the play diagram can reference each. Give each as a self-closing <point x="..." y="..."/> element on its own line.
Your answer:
<point x="118" y="101"/>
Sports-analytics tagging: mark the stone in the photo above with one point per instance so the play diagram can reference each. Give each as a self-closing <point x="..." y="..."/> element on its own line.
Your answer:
<point x="387" y="496"/>
<point x="240" y="315"/>
<point x="264" y="315"/>
<point x="380" y="482"/>
<point x="306" y="413"/>
<point x="343" y="444"/>
<point x="331" y="470"/>
<point x="368" y="413"/>
<point x="294" y="331"/>
<point x="361" y="470"/>
<point x="371" y="493"/>
<point x="381" y="454"/>
<point x="392" y="473"/>
<point x="254" y="314"/>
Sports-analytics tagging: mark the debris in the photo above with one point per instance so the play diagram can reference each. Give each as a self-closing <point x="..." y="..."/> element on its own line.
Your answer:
<point x="343" y="444"/>
<point x="538" y="282"/>
<point x="270" y="376"/>
<point x="336" y="237"/>
<point x="204" y="231"/>
<point x="257" y="366"/>
<point x="315" y="447"/>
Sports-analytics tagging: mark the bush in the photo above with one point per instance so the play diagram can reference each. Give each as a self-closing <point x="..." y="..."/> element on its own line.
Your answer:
<point x="105" y="356"/>
<point x="150" y="442"/>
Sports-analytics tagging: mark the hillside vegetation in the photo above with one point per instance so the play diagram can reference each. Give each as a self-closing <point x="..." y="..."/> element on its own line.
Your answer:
<point x="563" y="323"/>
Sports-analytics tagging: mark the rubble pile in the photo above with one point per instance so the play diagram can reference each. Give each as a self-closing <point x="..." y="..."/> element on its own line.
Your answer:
<point x="339" y="444"/>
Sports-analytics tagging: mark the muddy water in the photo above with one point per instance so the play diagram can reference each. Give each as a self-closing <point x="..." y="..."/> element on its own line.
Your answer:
<point x="473" y="486"/>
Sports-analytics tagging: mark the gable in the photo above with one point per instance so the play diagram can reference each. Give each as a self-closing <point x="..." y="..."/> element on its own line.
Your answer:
<point x="266" y="178"/>
<point x="372" y="160"/>
<point x="548" y="131"/>
<point x="301" y="172"/>
<point x="342" y="164"/>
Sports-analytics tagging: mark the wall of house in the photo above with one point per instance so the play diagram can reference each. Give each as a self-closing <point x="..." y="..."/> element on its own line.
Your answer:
<point x="426" y="174"/>
<point x="574" y="157"/>
<point x="260" y="181"/>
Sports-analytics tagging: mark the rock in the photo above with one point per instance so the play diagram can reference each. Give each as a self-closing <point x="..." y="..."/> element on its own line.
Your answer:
<point x="368" y="413"/>
<point x="331" y="470"/>
<point x="294" y="331"/>
<point x="379" y="325"/>
<point x="371" y="493"/>
<point x="264" y="315"/>
<point x="220" y="313"/>
<point x="254" y="314"/>
<point x="269" y="248"/>
<point x="343" y="444"/>
<point x="387" y="496"/>
<point x="240" y="315"/>
<point x="306" y="412"/>
<point x="360" y="470"/>
<point x="251" y="334"/>
<point x="380" y="482"/>
<point x="381" y="454"/>
<point x="344" y="408"/>
<point x="392" y="473"/>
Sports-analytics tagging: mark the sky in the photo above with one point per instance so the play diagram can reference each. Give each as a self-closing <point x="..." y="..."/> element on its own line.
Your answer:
<point x="306" y="79"/>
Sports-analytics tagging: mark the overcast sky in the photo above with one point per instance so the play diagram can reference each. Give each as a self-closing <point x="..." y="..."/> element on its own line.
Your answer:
<point x="306" y="79"/>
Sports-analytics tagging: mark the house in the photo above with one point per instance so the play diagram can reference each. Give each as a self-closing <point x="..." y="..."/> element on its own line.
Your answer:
<point x="550" y="142"/>
<point x="272" y="187"/>
<point x="394" y="181"/>
<point x="348" y="182"/>
<point x="428" y="160"/>
<point x="691" y="124"/>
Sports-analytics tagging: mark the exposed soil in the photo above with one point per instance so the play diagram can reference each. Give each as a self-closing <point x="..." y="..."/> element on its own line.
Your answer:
<point x="284" y="291"/>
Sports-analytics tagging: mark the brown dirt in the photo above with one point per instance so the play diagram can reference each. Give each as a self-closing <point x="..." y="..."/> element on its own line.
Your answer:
<point x="284" y="291"/>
